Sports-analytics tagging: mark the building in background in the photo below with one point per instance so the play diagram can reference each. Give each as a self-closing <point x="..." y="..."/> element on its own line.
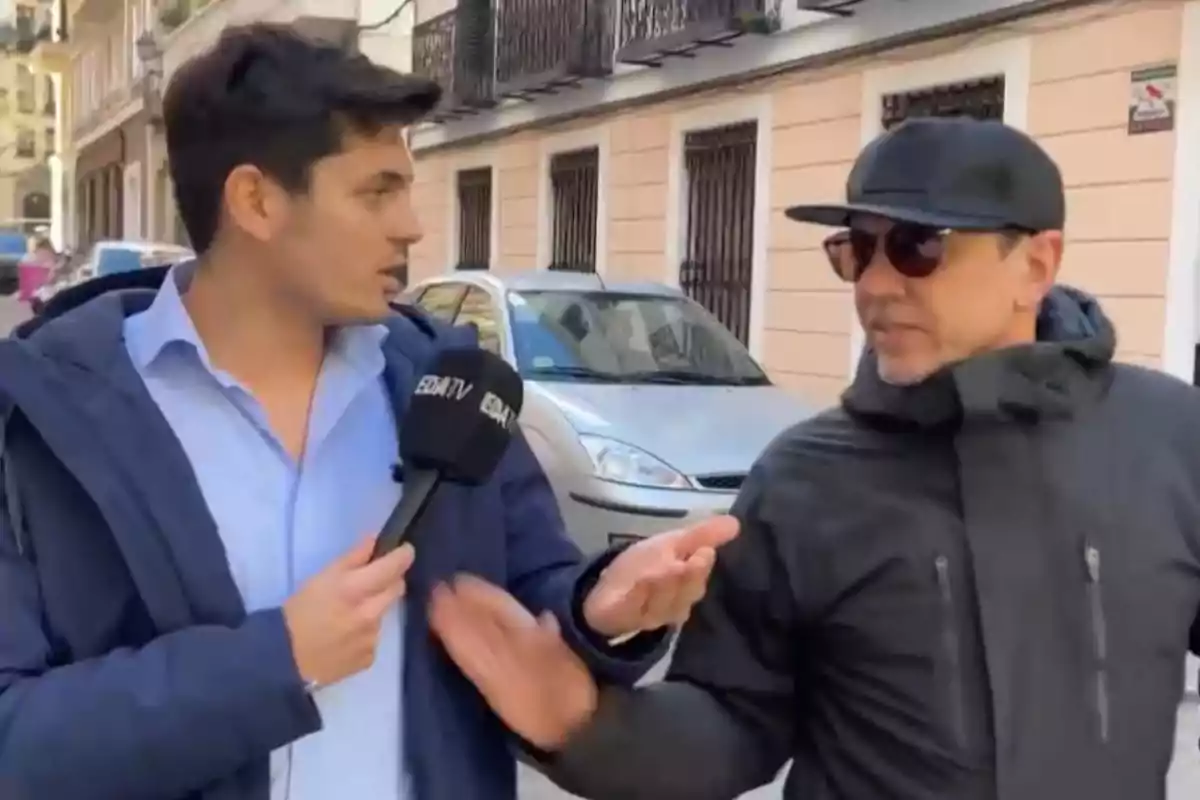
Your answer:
<point x="380" y="28"/>
<point x="116" y="62"/>
<point x="28" y="110"/>
<point x="661" y="139"/>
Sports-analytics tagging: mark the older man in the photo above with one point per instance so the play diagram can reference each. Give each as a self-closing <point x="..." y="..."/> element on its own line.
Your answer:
<point x="973" y="580"/>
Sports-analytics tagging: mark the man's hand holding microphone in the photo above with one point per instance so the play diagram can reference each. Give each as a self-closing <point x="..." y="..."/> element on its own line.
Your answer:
<point x="457" y="428"/>
<point x="334" y="619"/>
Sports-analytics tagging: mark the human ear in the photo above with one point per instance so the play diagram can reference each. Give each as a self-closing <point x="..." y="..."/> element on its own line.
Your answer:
<point x="1040" y="256"/>
<point x="254" y="203"/>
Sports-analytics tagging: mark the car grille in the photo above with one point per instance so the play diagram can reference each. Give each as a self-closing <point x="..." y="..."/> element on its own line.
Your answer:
<point x="729" y="482"/>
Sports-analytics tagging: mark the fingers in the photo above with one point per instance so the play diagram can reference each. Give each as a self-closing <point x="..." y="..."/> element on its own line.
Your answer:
<point x="472" y="644"/>
<point x="475" y="615"/>
<point x="670" y="598"/>
<point x="711" y="533"/>
<point x="549" y="623"/>
<point x="487" y="633"/>
<point x="374" y="606"/>
<point x="493" y="603"/>
<point x="357" y="556"/>
<point x="661" y="593"/>
<point x="382" y="574"/>
<point x="695" y="583"/>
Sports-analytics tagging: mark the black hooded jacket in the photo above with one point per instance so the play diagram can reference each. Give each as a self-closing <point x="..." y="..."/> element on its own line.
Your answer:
<point x="976" y="588"/>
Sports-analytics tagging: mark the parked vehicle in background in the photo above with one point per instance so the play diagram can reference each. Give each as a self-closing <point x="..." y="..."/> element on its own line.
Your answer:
<point x="645" y="412"/>
<point x="14" y="244"/>
<point x="108" y="257"/>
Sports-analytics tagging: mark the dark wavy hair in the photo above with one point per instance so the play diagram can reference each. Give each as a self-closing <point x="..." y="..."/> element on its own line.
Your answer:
<point x="268" y="96"/>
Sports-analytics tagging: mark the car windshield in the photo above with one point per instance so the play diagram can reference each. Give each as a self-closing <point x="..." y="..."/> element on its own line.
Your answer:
<point x="125" y="257"/>
<point x="616" y="337"/>
<point x="111" y="260"/>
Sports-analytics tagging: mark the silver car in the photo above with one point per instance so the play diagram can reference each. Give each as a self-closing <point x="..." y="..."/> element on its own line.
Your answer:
<point x="645" y="412"/>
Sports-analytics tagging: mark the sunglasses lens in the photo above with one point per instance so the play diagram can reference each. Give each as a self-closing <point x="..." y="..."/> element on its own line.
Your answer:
<point x="841" y="256"/>
<point x="914" y="250"/>
<point x="849" y="253"/>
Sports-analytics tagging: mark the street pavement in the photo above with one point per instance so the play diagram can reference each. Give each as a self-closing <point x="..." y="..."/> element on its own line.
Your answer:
<point x="11" y="313"/>
<point x="1183" y="782"/>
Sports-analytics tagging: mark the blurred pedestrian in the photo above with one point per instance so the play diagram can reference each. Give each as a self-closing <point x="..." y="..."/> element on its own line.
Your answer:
<point x="35" y="269"/>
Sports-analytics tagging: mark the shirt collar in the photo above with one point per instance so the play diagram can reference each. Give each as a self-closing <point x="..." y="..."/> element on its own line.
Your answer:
<point x="167" y="325"/>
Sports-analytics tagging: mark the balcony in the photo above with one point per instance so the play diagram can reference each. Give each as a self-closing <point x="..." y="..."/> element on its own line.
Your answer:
<point x="651" y="31"/>
<point x="836" y="8"/>
<point x="87" y="121"/>
<point x="455" y="50"/>
<point x="51" y="52"/>
<point x="545" y="45"/>
<point x="29" y="27"/>
<point x="172" y="14"/>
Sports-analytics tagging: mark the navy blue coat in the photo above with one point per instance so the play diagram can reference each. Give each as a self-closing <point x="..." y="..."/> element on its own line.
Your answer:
<point x="129" y="667"/>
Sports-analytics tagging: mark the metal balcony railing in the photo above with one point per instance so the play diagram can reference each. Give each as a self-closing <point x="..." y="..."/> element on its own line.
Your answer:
<point x="543" y="45"/>
<point x="652" y="31"/>
<point x="455" y="49"/>
<point x="28" y="27"/>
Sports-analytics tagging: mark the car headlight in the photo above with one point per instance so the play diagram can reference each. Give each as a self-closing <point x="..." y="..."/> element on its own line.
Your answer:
<point x="623" y="463"/>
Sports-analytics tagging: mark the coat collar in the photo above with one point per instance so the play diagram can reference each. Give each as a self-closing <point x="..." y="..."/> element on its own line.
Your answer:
<point x="75" y="382"/>
<point x="1066" y="368"/>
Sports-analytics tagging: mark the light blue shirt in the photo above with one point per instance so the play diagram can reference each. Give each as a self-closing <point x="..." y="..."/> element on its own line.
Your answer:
<point x="282" y="522"/>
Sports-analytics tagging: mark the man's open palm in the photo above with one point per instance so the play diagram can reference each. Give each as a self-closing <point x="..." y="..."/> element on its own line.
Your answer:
<point x="520" y="664"/>
<point x="656" y="582"/>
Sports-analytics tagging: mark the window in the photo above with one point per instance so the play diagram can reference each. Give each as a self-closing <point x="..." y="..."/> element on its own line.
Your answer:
<point x="626" y="338"/>
<point x="48" y="101"/>
<point x="26" y="22"/>
<point x="478" y="310"/>
<point x="718" y="266"/>
<point x="48" y="145"/>
<point x="26" y="85"/>
<point x="574" y="186"/>
<point x="474" y="218"/>
<point x="981" y="99"/>
<point x="26" y="143"/>
<point x="442" y="300"/>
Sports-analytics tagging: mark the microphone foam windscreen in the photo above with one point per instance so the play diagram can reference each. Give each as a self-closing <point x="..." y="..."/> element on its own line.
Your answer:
<point x="462" y="415"/>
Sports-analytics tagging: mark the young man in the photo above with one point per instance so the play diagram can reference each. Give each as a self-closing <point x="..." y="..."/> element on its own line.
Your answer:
<point x="975" y="579"/>
<point x="193" y="477"/>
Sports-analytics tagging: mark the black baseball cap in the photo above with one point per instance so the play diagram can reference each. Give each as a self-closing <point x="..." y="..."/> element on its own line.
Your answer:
<point x="951" y="172"/>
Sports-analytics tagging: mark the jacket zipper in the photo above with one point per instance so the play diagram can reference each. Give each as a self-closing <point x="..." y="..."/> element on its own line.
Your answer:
<point x="1091" y="557"/>
<point x="951" y="647"/>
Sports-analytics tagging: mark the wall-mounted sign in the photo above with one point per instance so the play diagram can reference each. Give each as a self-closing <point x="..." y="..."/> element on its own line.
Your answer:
<point x="1152" y="99"/>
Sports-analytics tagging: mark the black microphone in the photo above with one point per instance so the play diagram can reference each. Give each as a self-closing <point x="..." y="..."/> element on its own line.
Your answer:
<point x="456" y="428"/>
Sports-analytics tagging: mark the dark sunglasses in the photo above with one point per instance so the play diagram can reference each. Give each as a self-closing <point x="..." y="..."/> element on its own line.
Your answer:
<point x="914" y="250"/>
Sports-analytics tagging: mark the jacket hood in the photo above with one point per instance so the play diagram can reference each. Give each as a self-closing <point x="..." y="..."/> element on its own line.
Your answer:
<point x="1067" y="366"/>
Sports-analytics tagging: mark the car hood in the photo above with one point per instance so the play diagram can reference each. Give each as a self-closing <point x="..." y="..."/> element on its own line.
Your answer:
<point x="698" y="430"/>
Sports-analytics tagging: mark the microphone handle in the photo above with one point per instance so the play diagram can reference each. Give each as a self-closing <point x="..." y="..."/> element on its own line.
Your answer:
<point x="419" y="486"/>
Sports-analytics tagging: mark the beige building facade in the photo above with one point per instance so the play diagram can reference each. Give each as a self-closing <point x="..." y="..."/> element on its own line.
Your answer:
<point x="114" y="59"/>
<point x="27" y="119"/>
<point x="815" y="93"/>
